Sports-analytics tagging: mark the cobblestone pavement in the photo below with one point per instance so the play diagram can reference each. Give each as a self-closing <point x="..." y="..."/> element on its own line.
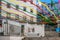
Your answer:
<point x="10" y="37"/>
<point x="33" y="38"/>
<point x="48" y="36"/>
<point x="44" y="38"/>
<point x="4" y="38"/>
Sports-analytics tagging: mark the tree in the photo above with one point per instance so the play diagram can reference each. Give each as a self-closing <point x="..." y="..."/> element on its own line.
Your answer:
<point x="52" y="4"/>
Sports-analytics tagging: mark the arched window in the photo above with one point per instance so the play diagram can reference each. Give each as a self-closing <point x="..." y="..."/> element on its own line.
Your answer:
<point x="17" y="17"/>
<point x="31" y="19"/>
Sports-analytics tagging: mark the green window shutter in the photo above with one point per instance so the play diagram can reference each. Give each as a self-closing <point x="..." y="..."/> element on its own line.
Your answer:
<point x="17" y="7"/>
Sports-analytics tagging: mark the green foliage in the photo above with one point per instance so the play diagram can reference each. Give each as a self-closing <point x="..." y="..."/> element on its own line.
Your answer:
<point x="52" y="4"/>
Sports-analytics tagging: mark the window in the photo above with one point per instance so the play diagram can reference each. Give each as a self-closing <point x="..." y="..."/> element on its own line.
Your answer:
<point x="17" y="17"/>
<point x="3" y="13"/>
<point x="33" y="30"/>
<point x="24" y="8"/>
<point x="17" y="7"/>
<point x="22" y="30"/>
<point x="28" y="29"/>
<point x="24" y="18"/>
<point x="31" y="11"/>
<point x="8" y="5"/>
<point x="31" y="19"/>
<point x="8" y="15"/>
<point x="13" y="16"/>
<point x="38" y="13"/>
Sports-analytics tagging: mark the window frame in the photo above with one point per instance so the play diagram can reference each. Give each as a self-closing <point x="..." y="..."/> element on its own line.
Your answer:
<point x="8" y="15"/>
<point x="31" y="10"/>
<point x="24" y="8"/>
<point x="17" y="17"/>
<point x="33" y="30"/>
<point x="8" y="5"/>
<point x="17" y="7"/>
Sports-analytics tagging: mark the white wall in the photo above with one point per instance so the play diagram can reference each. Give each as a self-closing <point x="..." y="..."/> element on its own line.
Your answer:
<point x="1" y="29"/>
<point x="16" y="25"/>
<point x="38" y="29"/>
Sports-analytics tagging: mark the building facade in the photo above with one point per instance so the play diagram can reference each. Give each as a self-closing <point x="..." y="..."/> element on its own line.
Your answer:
<point x="19" y="18"/>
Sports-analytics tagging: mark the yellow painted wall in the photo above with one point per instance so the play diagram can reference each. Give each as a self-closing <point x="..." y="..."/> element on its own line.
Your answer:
<point x="10" y="10"/>
<point x="24" y="5"/>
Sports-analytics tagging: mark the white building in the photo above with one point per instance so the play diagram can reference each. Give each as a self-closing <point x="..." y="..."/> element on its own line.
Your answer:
<point x="16" y="22"/>
<point x="14" y="28"/>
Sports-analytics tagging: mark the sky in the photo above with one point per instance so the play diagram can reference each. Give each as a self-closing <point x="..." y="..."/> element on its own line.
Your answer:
<point x="48" y="1"/>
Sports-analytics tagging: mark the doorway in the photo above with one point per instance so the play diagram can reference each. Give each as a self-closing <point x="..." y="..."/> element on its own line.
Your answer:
<point x="22" y="30"/>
